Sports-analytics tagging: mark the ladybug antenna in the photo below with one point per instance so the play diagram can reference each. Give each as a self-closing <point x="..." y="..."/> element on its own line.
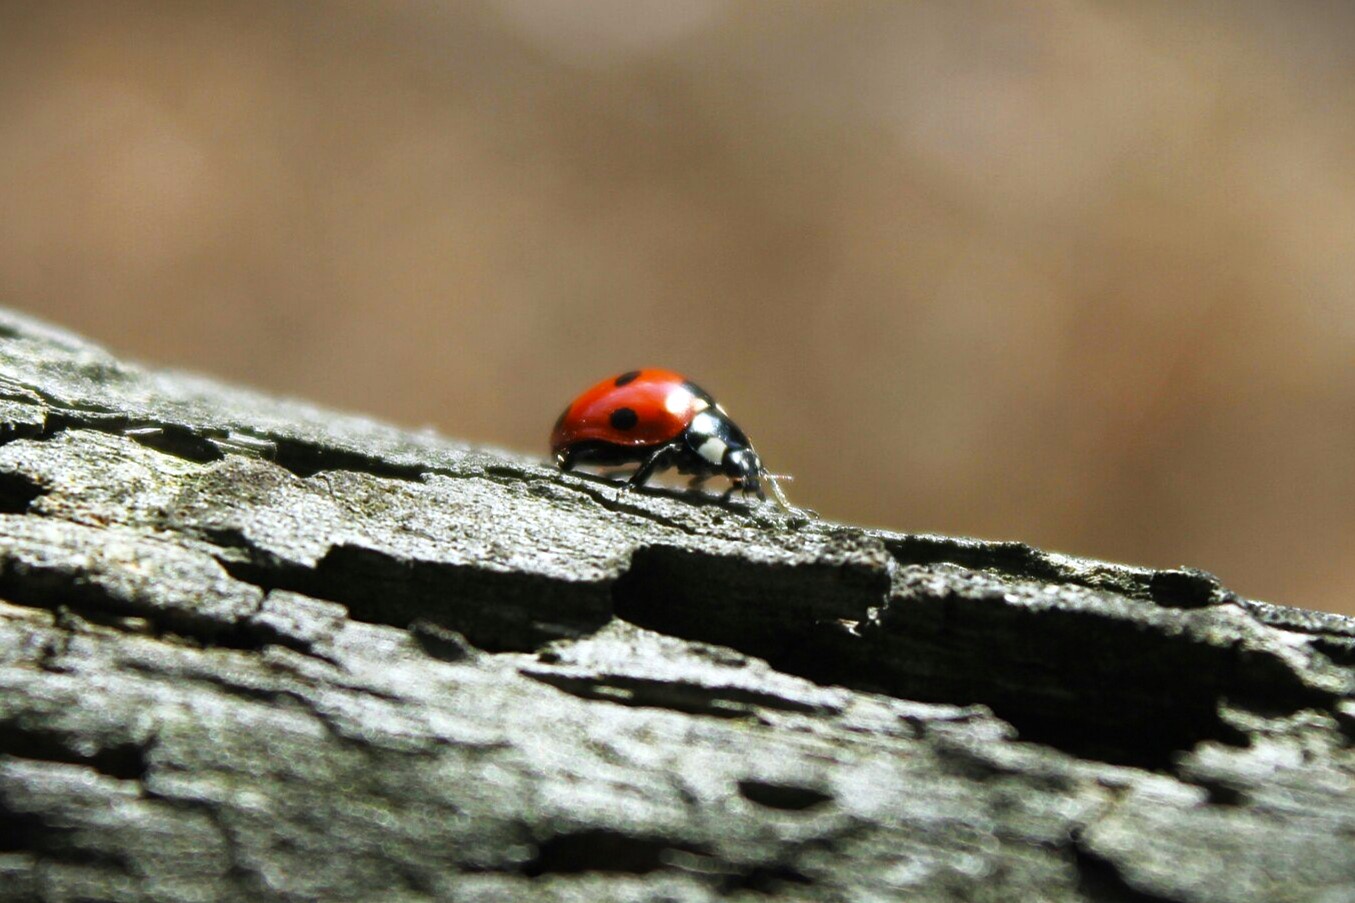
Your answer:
<point x="772" y="480"/>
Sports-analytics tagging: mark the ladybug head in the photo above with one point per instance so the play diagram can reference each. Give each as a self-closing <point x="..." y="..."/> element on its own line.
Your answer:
<point x="744" y="466"/>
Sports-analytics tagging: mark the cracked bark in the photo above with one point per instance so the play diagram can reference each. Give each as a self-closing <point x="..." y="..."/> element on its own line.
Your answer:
<point x="250" y="649"/>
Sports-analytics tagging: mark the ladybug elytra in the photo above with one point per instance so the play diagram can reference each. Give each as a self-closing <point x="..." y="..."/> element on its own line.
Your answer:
<point x="659" y="419"/>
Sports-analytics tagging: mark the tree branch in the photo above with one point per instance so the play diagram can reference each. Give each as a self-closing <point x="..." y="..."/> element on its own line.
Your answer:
<point x="251" y="649"/>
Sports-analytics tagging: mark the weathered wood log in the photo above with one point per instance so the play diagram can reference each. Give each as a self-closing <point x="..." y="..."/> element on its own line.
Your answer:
<point x="254" y="650"/>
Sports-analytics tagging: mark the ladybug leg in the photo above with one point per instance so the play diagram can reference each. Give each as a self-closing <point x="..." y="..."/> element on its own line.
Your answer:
<point x="697" y="481"/>
<point x="651" y="464"/>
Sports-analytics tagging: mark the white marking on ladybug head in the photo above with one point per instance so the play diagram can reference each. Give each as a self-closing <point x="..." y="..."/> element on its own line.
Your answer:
<point x="681" y="402"/>
<point x="705" y="424"/>
<point x="713" y="450"/>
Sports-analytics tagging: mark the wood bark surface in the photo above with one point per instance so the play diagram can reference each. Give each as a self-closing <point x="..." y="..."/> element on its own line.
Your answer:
<point x="254" y="650"/>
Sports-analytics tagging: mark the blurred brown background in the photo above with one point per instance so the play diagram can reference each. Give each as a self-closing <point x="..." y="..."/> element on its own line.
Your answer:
<point x="1077" y="273"/>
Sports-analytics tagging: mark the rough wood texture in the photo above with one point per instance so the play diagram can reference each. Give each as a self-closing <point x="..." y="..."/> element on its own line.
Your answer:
<point x="253" y="650"/>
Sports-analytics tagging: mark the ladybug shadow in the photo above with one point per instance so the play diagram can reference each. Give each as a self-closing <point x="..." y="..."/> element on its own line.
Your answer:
<point x="732" y="501"/>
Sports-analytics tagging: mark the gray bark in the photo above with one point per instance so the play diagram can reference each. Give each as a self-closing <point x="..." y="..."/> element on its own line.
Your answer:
<point x="254" y="650"/>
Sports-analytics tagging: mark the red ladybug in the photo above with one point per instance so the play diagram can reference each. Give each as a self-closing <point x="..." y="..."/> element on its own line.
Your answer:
<point x="660" y="419"/>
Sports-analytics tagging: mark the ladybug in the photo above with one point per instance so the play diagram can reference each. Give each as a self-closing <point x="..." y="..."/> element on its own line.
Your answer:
<point x="660" y="419"/>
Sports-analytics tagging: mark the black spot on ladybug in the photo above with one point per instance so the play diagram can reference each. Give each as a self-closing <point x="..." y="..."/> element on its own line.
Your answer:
<point x="627" y="377"/>
<point x="624" y="418"/>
